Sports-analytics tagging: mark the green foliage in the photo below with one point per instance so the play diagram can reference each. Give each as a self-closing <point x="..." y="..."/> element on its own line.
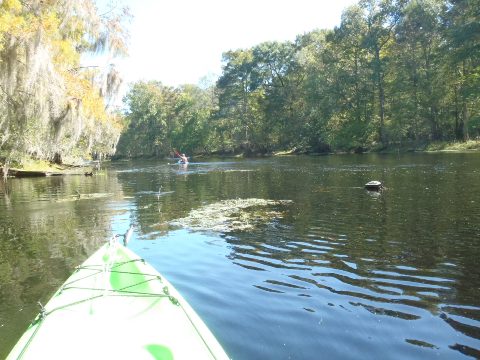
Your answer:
<point x="454" y="146"/>
<point x="398" y="73"/>
<point x="162" y="118"/>
<point x="51" y="107"/>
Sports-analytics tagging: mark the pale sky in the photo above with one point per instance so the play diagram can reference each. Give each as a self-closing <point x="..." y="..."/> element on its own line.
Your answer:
<point x="181" y="41"/>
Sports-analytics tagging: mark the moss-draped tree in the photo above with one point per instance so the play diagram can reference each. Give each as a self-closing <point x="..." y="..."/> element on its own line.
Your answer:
<point x="51" y="106"/>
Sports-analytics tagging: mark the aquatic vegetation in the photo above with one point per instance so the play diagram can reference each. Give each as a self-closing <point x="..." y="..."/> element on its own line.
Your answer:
<point x="79" y="196"/>
<point x="233" y="215"/>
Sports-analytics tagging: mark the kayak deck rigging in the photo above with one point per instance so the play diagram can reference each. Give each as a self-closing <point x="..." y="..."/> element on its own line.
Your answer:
<point x="115" y="297"/>
<point x="111" y="292"/>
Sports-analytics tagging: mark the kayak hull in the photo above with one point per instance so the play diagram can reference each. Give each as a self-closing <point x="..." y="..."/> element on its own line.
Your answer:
<point x="117" y="306"/>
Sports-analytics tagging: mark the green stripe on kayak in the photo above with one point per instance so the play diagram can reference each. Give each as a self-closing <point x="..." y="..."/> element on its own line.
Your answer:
<point x="125" y="275"/>
<point x="159" y="352"/>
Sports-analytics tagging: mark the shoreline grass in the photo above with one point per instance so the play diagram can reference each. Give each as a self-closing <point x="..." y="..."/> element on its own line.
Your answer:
<point x="469" y="145"/>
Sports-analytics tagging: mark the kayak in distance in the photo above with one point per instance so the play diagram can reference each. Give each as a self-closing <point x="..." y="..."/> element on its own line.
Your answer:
<point x="117" y="306"/>
<point x="183" y="159"/>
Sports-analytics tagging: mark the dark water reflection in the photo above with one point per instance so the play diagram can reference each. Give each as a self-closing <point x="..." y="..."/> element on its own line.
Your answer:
<point x="345" y="273"/>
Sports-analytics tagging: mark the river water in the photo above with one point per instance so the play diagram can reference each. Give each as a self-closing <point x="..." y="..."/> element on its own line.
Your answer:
<point x="335" y="272"/>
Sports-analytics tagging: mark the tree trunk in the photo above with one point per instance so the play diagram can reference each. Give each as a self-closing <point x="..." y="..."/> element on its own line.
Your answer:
<point x="245" y="110"/>
<point x="415" y="97"/>
<point x="465" y="115"/>
<point x="434" y="123"/>
<point x="465" y="119"/>
<point x="458" y="121"/>
<point x="57" y="158"/>
<point x="5" y="169"/>
<point x="381" y="96"/>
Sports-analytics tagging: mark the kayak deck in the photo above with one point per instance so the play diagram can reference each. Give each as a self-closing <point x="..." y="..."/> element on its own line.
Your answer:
<point x="117" y="306"/>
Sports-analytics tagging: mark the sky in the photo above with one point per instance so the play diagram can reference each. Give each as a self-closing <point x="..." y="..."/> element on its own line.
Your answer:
<point x="182" y="41"/>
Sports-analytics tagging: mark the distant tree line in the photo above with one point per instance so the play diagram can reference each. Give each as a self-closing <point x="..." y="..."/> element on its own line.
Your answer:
<point x="393" y="73"/>
<point x="162" y="118"/>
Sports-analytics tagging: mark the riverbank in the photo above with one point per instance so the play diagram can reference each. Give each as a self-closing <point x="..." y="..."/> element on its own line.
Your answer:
<point x="38" y="168"/>
<point x="470" y="145"/>
<point x="441" y="146"/>
<point x="89" y="167"/>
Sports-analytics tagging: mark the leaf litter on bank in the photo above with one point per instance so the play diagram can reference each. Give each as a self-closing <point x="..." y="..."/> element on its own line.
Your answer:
<point x="232" y="215"/>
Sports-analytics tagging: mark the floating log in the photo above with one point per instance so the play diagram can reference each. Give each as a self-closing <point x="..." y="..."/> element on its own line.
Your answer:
<point x="31" y="173"/>
<point x="374" y="185"/>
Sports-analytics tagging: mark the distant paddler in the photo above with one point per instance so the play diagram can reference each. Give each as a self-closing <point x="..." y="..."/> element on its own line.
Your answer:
<point x="183" y="157"/>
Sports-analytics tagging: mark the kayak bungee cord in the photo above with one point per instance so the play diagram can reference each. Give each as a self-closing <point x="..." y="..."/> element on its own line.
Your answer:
<point x="38" y="319"/>
<point x="106" y="268"/>
<point x="112" y="289"/>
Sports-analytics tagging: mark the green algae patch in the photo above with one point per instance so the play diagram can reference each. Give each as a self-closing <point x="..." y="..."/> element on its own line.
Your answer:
<point x="233" y="215"/>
